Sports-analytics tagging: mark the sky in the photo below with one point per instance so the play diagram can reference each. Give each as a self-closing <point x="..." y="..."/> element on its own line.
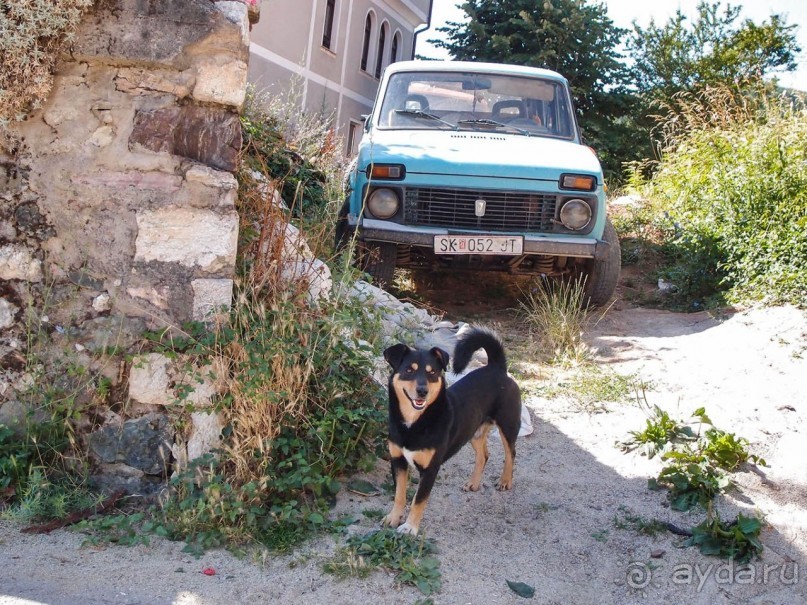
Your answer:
<point x="624" y="12"/>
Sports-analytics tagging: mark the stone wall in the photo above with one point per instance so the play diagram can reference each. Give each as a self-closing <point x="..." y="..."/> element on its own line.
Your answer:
<point x="117" y="204"/>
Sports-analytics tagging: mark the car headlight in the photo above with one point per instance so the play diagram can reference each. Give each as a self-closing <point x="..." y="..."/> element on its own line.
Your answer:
<point x="382" y="203"/>
<point x="575" y="214"/>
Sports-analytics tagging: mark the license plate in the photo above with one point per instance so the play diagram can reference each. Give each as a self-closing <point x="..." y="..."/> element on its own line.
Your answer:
<point x="478" y="244"/>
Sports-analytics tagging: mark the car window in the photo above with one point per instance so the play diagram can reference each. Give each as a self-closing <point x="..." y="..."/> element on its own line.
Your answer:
<point x="437" y="100"/>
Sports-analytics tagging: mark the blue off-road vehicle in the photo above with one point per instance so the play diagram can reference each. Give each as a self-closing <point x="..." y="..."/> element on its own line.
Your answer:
<point x="477" y="166"/>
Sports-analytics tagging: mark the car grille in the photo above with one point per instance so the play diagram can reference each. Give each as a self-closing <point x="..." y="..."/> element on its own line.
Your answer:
<point x="504" y="210"/>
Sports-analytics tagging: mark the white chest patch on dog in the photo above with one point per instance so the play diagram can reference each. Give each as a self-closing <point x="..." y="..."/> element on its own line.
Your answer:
<point x="410" y="456"/>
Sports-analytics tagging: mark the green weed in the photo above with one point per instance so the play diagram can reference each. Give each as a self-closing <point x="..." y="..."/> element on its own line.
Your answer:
<point x="592" y="386"/>
<point x="737" y="540"/>
<point x="646" y="527"/>
<point x="410" y="558"/>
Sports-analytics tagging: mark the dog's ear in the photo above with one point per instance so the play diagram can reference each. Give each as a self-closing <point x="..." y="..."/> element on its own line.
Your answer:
<point x="395" y="354"/>
<point x="442" y="356"/>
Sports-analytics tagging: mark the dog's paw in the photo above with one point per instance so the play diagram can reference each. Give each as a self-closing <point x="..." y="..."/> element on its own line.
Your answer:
<point x="504" y="485"/>
<point x="393" y="519"/>
<point x="470" y="486"/>
<point x="408" y="529"/>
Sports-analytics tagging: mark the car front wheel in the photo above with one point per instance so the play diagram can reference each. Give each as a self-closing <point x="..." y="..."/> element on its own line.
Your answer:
<point x="602" y="275"/>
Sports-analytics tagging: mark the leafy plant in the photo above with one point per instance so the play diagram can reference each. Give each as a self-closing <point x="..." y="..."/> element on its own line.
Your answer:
<point x="410" y="558"/>
<point x="738" y="540"/>
<point x="660" y="431"/>
<point x="728" y="451"/>
<point x="122" y="529"/>
<point x="692" y="478"/>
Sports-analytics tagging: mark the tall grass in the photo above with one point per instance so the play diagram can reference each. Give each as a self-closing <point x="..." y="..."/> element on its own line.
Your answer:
<point x="555" y="311"/>
<point x="729" y="199"/>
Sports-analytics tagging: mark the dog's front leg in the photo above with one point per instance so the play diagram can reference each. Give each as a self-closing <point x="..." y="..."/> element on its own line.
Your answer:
<point x="400" y="476"/>
<point x="427" y="478"/>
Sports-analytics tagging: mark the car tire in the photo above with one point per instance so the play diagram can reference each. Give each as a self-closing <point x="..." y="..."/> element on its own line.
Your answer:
<point x="342" y="230"/>
<point x="602" y="275"/>
<point x="379" y="259"/>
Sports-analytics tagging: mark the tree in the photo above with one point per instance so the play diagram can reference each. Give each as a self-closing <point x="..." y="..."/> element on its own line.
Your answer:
<point x="711" y="51"/>
<point x="573" y="37"/>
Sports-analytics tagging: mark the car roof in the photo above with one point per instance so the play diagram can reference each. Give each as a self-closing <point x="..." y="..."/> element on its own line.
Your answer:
<point x="473" y="66"/>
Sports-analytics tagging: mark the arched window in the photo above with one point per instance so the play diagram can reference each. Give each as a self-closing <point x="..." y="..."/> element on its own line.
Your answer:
<point x="327" y="30"/>
<point x="365" y="47"/>
<point x="396" y="45"/>
<point x="382" y="43"/>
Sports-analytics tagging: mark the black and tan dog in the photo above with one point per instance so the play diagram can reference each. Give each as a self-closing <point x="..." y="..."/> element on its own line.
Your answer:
<point x="429" y="423"/>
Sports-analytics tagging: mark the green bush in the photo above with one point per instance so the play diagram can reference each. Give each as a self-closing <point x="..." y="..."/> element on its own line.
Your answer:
<point x="730" y="204"/>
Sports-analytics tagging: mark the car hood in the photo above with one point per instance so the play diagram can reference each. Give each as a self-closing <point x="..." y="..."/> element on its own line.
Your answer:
<point x="475" y="153"/>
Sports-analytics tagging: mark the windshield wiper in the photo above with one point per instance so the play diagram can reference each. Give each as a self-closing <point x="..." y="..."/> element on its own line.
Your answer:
<point x="419" y="113"/>
<point x="493" y="123"/>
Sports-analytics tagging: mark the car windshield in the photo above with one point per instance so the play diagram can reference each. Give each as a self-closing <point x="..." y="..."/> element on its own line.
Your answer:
<point x="529" y="106"/>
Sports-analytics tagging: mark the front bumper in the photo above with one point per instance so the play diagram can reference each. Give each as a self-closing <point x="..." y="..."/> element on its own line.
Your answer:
<point x="548" y="245"/>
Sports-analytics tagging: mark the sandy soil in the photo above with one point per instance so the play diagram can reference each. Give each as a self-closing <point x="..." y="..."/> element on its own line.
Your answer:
<point x="555" y="530"/>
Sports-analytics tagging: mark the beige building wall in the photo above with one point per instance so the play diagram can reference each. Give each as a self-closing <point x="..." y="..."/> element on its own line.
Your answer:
<point x="287" y="53"/>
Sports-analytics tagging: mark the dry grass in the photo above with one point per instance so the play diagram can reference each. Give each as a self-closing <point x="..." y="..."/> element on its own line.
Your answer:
<point x="32" y="34"/>
<point x="554" y="311"/>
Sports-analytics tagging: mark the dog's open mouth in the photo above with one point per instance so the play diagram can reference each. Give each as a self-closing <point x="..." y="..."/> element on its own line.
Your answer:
<point x="417" y="402"/>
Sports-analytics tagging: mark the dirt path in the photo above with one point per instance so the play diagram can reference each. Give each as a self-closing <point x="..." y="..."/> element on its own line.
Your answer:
<point x="556" y="530"/>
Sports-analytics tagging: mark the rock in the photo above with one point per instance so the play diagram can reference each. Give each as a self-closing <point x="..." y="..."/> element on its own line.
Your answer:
<point x="102" y="303"/>
<point x="210" y="296"/>
<point x="17" y="262"/>
<point x="141" y="81"/>
<point x="206" y="134"/>
<point x="141" y="443"/>
<point x="221" y="80"/>
<point x="224" y="182"/>
<point x="111" y="332"/>
<point x="205" y="433"/>
<point x="192" y="237"/>
<point x="314" y="275"/>
<point x="114" y="477"/>
<point x="149" y="381"/>
<point x="658" y="553"/>
<point x="133" y="32"/>
<point x="7" y="313"/>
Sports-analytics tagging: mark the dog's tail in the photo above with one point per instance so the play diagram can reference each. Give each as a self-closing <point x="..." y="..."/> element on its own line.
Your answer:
<point x="479" y="338"/>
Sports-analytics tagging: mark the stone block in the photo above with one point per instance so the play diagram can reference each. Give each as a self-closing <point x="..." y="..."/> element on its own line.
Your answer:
<point x="209" y="296"/>
<point x="221" y="80"/>
<point x="208" y="135"/>
<point x="142" y="443"/>
<point x="238" y="14"/>
<point x="189" y="236"/>
<point x="149" y="381"/>
<point x="224" y="184"/>
<point x="139" y="81"/>
<point x="136" y="32"/>
<point x="205" y="433"/>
